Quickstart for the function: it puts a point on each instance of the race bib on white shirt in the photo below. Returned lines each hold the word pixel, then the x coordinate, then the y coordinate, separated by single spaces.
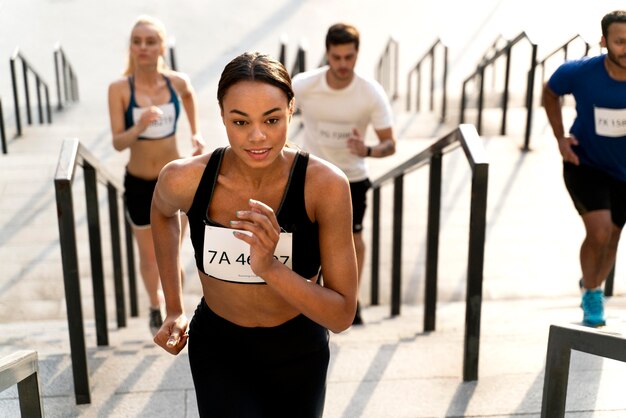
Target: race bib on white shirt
pixel 226 257
pixel 334 135
pixel 162 127
pixel 610 122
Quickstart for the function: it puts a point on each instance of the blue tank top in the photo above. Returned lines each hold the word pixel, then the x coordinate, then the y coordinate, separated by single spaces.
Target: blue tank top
pixel 165 126
pixel 291 215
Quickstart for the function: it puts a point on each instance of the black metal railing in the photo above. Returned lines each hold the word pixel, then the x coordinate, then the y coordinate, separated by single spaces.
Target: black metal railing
pixel 3 135
pixel 74 154
pixel 299 64
pixel 282 50
pixel 65 76
pixel 39 83
pixel 171 54
pixel 387 69
pixel 22 369
pixel 416 72
pixel 564 49
pixel 480 75
pixel 466 137
pixel 561 341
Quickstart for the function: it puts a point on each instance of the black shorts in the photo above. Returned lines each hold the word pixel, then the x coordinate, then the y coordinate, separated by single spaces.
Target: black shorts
pixel 358 192
pixel 138 199
pixel 592 189
pixel 257 372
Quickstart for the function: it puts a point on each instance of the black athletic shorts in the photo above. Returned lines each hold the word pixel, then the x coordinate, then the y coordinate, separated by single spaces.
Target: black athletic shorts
pixel 257 372
pixel 358 191
pixel 592 189
pixel 138 199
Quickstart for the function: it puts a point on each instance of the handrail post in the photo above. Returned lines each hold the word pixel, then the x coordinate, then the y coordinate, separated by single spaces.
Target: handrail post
pixel 463 100
pixel 476 255
pixel 22 369
pixel 16 100
pixel 505 95
pixel 418 98
pixel 432 242
pixel 3 136
pixel 375 286
pixel 130 261
pixel 39 105
pixel 529 97
pixel 608 283
pixel 30 397
pixel 95 251
pixel 66 87
pixel 556 374
pixel 282 52
pixel 408 90
pixel 301 60
pixel 397 69
pixel 71 280
pixel 26 91
pixel 481 91
pixel 432 80
pixel 117 256
pixel 48 109
pixel 57 78
pixel 561 341
pixel 396 259
pixel 172 56
pixel 444 82
pixel 74 85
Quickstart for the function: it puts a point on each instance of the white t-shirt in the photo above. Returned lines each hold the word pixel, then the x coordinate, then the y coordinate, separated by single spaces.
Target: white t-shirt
pixel 329 115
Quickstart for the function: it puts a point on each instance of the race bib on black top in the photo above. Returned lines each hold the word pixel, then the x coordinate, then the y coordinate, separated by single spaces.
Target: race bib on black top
pixel 226 257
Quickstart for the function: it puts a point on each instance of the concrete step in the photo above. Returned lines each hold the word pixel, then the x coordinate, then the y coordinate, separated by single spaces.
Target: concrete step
pixel 387 368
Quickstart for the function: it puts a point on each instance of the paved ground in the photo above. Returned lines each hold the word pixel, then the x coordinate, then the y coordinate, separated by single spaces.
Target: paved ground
pixel 388 368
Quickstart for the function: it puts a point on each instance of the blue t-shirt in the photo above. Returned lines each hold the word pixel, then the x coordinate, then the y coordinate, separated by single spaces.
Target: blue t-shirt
pixel 600 124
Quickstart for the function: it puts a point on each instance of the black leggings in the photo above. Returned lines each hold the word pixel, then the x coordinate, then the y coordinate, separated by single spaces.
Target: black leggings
pixel 257 372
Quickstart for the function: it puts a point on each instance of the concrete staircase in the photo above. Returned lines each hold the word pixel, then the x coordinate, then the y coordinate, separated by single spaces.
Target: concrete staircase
pixel 387 368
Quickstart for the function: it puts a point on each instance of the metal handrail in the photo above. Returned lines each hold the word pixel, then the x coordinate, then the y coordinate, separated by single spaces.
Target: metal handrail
pixel 26 67
pixel 387 68
pixel 561 341
pixel 480 74
pixel 73 154
pixel 282 50
pixel 171 54
pixel 3 136
pixel 416 70
pixel 66 76
pixel 299 65
pixel 22 369
pixel 467 137
pixel 563 48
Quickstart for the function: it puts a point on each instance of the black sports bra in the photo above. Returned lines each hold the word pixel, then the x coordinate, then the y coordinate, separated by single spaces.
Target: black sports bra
pixel 291 215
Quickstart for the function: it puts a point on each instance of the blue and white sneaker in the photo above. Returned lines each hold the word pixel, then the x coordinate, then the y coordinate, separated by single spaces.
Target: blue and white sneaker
pixel 593 308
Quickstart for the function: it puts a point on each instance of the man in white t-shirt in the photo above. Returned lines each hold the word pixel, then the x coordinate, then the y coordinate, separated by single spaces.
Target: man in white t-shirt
pixel 337 105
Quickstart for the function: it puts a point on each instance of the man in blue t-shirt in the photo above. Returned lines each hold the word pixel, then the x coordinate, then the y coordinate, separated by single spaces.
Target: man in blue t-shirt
pixel 594 154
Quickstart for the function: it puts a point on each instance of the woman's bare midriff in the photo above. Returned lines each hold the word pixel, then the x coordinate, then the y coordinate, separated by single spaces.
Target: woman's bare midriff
pixel 149 156
pixel 247 305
